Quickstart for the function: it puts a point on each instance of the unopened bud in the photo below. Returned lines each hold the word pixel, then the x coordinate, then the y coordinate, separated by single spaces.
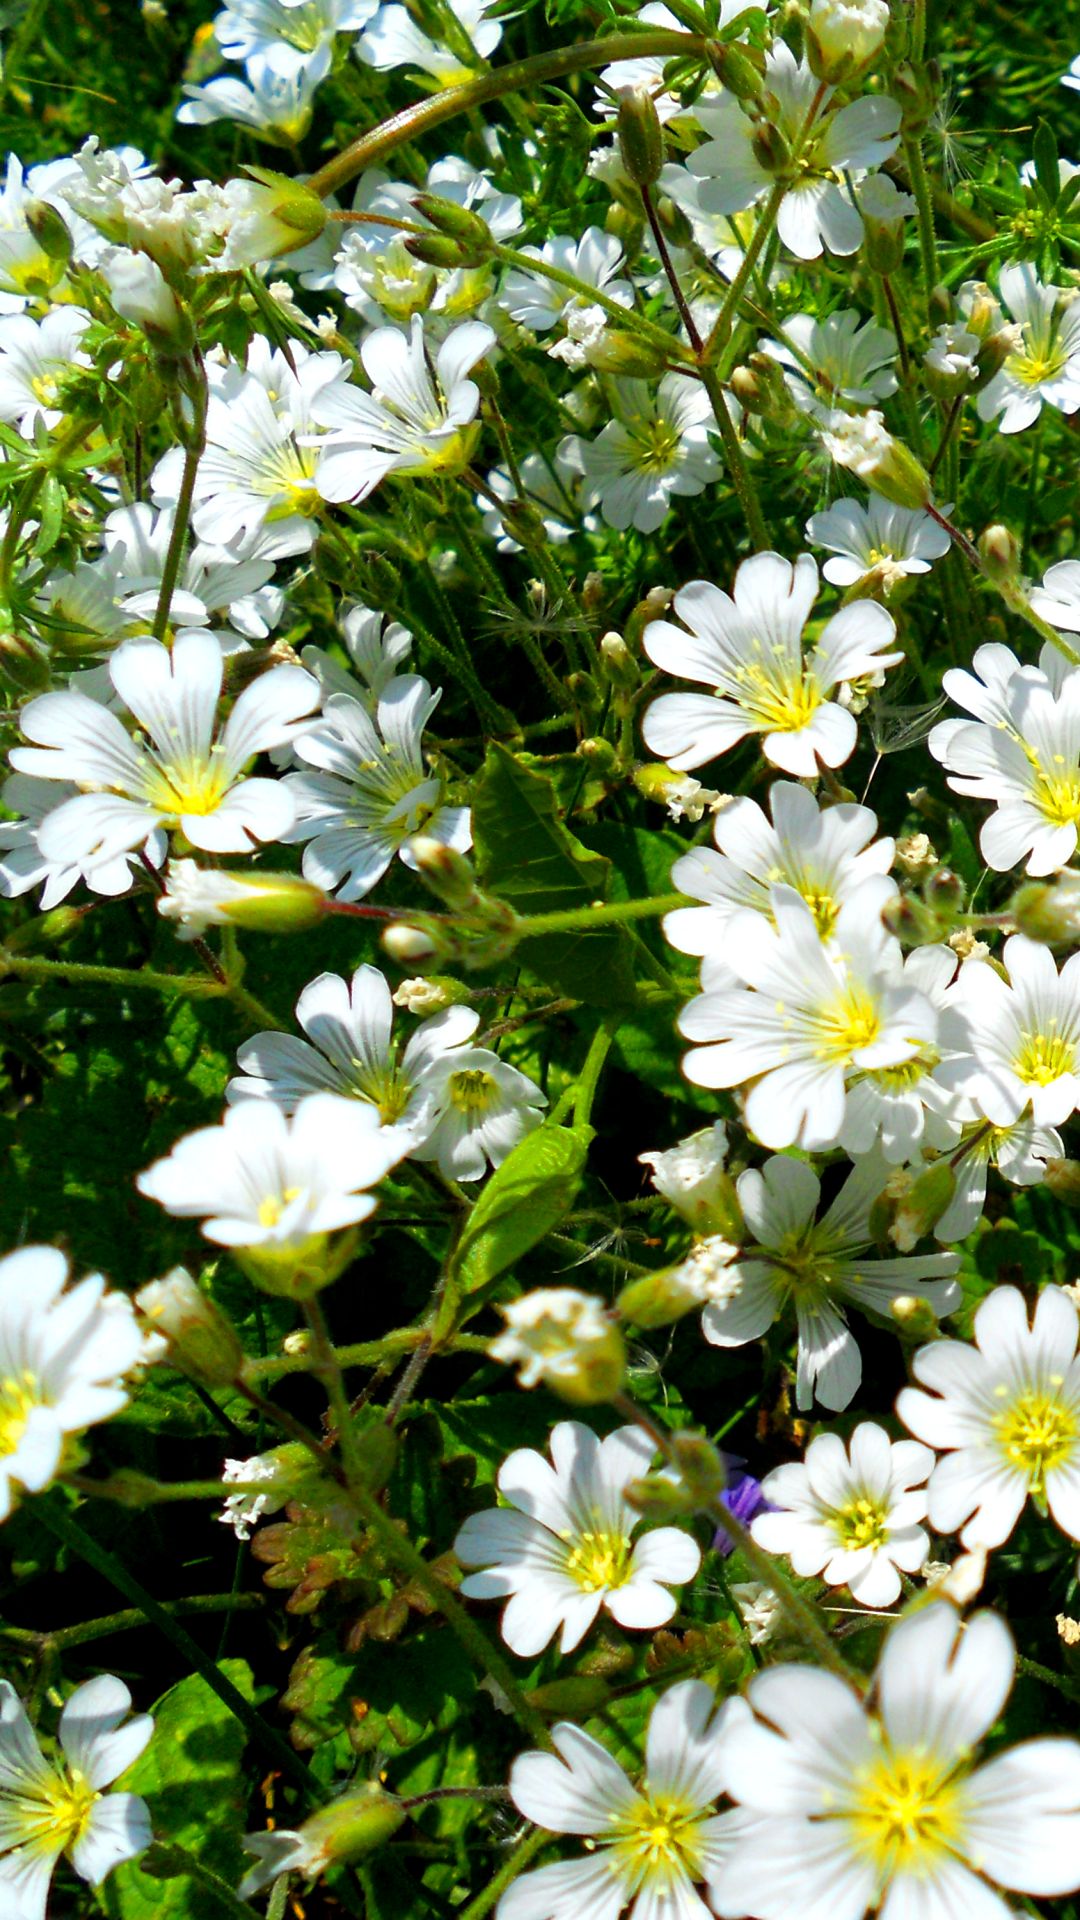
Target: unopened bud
pixel 912 923
pixel 345 1830
pixel 1063 1179
pixel 999 551
pixel 460 223
pixel 654 606
pixel 736 68
pixel 640 135
pixel 1049 910
pixel 407 944
pixel 658 1299
pixel 49 229
pixel 200 1341
pixel 24 662
pixel 198 897
pixel 915 1317
pixel 599 753
pixel 577 1697
pixel 619 352
pixel 917 1210
pixel 676 224
pixel 769 147
pixel 618 663
pixel 700 1467
pixel 842 36
pixel 445 871
pixel 944 891
pixel 439 250
pixel 658 1497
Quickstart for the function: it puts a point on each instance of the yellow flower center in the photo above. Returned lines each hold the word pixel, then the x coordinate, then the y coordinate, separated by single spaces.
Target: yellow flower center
pixel 1041 363
pixel 53 1811
pixel 272 1208
pixel 862 1523
pixel 599 1560
pixel 656 443
pixel 44 388
pixel 851 1022
pixel 472 1090
pixel 1044 1057
pixel 19 1395
pixel 782 699
pixel 1037 1433
pixel 660 1839
pixel 907 1813
pixel 188 786
pixel 1057 795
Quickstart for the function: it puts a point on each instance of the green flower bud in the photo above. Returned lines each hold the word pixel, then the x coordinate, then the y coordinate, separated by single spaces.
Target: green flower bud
pixel 439 250
pixel 298 1272
pixel 1063 1179
pixel 617 663
pixel 657 1299
pixel 50 230
pixel 200 1341
pixel 197 898
pixel 576 1697
pixel 915 1316
pixel 345 1830
pixel 640 135
pixel 700 1467
pixel 445 871
pixel 999 551
pixel 1049 910
pixel 279 214
pixel 769 147
pixel 741 69
pixel 460 223
pixel 619 352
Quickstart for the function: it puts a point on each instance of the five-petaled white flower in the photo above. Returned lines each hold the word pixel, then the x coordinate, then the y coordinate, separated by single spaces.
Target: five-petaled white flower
pixel 1004 1410
pixel 750 650
pixel 564 1546
pixel 875 540
pixel 59 1805
pixel 183 769
pixel 850 1807
pixel 1044 367
pixel 851 1514
pixel 649 1846
pixel 1012 1044
pixel 656 447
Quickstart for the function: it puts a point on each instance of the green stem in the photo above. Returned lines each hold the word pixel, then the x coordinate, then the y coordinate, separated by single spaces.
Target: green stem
pixel 1060 1682
pixel 193 452
pixel 327 1368
pixel 75 1537
pixel 520 76
pixel 625 317
pixel 721 327
pixel 525 1852
pixel 401 1553
pixel 589 1078
pixel 569 921
pixel 130 1619
pixel 1010 590
pixel 367 1353
pixel 199 986
pixel 737 467
pixel 920 186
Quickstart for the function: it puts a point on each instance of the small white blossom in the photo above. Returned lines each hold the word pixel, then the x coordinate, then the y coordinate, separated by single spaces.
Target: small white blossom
pixel 564 1339
pixel 1013 1043
pixel 851 1514
pixel 393 39
pixel 657 447
pixel 876 540
pixel 1044 368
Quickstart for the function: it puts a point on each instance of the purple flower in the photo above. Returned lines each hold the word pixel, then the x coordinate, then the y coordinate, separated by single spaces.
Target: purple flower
pixel 743 1497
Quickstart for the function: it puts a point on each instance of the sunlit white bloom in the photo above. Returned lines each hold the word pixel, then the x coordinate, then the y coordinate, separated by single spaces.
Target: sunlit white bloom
pixel 794 1261
pixel 228 584
pixel 647 70
pixel 275 100
pixel 256 476
pixel 350 1050
pixel 853 1806
pixel 750 650
pixel 1044 369
pixel 140 293
pixel 63 1355
pixel 540 304
pixel 36 357
pixel 1058 599
pixel 809 1017
pixel 656 447
pixel 1004 1411
pixel 59 1806
pixel 266 1181
pixel 26 271
pixel 849 359
pixel 302 30
pixel 199 897
pixel 817 211
pixel 368 793
pixel 760 1610
pixel 24 866
pixel 1022 752
pixel 648 1847
pixel 953 355
pixel 393 39
pixel 691 1176
pixel 183 770
pixel 1012 1044
pixel 564 1339
pixel 901 1108
pixel 824 853
pixel 851 1514
pixel 377 648
pixel 1018 1153
pixel 417 419
pixel 563 1547
pixel 876 538
pixel 271 1480
pixel 481 1107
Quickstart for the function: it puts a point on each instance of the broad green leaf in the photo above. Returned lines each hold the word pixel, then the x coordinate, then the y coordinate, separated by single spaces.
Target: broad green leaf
pixel 524 1199
pixel 528 857
pixel 192 1779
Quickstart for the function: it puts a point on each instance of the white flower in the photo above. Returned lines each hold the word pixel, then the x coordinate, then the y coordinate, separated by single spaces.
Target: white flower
pixel 656 447
pixel 35 358
pixel 377 648
pixel 377 275
pixel 230 583
pixel 26 272
pixel 59 1806
pixel 302 30
pixel 279 1476
pixel 548 488
pixel 140 292
pixel 824 853
pixel 850 1806
pixel 1018 1152
pixel 849 360
pixel 265 1181
pixel 1014 1043
pixel 23 865
pixel 350 1051
pixel 181 771
pixel 691 1176
pixel 256 476
pixel 817 211
pixel 275 101
pixel 750 650
pixel 200 897
pixel 647 70
pixel 1022 752
pixel 63 1355
pixel 417 419
pixel 1005 1411
pixel 1058 599
pixel 371 794
pixel 1045 366
pixel 760 1610
pixel 904 1107
pixel 808 1017
pixel 536 302
pixel 481 1107
pixel 394 40
pixel 648 1846
pixel 953 354
pixel 564 1547
pixel 851 1513
pixel 818 1267
pixel 563 1338
pixel 878 539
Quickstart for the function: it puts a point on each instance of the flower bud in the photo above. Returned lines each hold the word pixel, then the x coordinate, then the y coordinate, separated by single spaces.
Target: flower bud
pixel 915 1316
pixel 24 662
pixel 863 444
pixel 844 35
pixel 693 1180
pixel 619 352
pixel 197 898
pixel 408 945
pixel 50 230
pixel 576 1697
pixel 917 90
pixel 917 1209
pixel 657 1299
pixel 439 250
pixel 944 892
pixel 140 293
pixel 741 69
pixel 445 871
pixel 566 1340
pixel 677 225
pixel 599 753
pixel 769 147
pixel 1063 1179
pixel 269 215
pixel 200 1341
pixel 999 551
pixel 660 1497
pixel 617 663
pixel 345 1830
pixel 460 223
pixel 700 1467
pixel 1049 910
pixel 640 135
pixel 653 607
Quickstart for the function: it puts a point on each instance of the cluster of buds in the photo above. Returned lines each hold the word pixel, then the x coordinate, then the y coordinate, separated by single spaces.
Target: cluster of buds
pixel 930 915
pixel 458 237
pixel 479 930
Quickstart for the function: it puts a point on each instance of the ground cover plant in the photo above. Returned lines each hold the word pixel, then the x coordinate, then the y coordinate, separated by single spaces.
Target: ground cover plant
pixel 539 960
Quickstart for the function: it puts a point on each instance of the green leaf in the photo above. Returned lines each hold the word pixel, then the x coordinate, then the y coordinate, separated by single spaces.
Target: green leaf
pixel 1045 150
pixel 528 857
pixel 524 1199
pixel 192 1780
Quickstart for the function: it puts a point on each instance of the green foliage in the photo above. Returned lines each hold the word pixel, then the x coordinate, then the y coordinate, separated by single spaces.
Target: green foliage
pixel 524 1199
